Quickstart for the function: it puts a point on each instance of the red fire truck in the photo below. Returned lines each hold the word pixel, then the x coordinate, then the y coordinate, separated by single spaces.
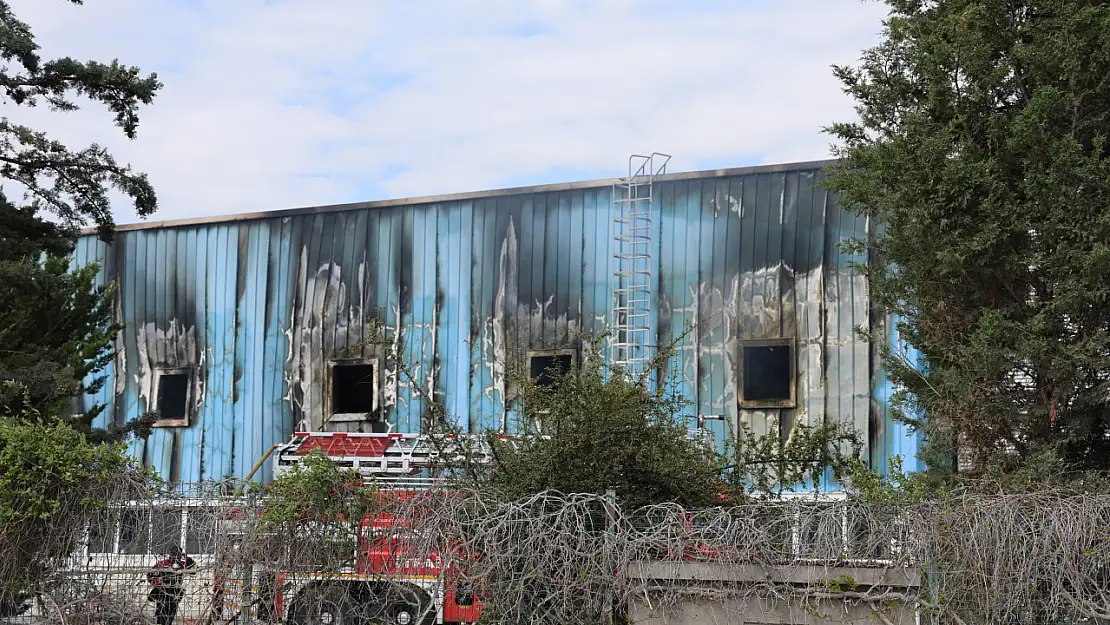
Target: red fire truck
pixel 386 580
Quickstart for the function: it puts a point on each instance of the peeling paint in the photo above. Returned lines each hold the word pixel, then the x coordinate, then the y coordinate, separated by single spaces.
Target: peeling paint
pixel 165 348
pixel 293 375
pixel 508 273
pixel 308 372
pixel 121 351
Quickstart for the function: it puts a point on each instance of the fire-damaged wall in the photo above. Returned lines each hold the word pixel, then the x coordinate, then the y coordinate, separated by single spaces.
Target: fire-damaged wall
pixel 241 330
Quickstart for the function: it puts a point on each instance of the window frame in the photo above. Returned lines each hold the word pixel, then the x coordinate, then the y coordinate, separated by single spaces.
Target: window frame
pixel 168 539
pixel 375 394
pixel 200 509
pixel 537 415
pixel 144 515
pixel 115 514
pixel 190 395
pixel 185 508
pixel 754 404
pixel 551 353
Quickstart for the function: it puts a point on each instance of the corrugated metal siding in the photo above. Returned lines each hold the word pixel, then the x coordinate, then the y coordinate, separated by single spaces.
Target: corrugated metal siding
pixel 261 306
pixel 892 438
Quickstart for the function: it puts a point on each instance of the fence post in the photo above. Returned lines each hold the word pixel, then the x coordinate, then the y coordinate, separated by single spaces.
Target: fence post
pixel 610 531
pixel 247 597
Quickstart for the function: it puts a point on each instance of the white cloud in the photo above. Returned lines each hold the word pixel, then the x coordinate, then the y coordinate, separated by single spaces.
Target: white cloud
pixel 277 104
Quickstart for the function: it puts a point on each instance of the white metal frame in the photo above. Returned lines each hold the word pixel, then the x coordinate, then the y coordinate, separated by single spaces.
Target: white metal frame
pixel 186 506
pixel 632 237
pixel 405 455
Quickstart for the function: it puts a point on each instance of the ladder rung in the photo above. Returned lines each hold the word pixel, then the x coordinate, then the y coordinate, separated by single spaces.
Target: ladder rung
pixel 632 296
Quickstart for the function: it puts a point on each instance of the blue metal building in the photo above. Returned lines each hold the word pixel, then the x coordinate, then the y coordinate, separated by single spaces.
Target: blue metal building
pixel 243 329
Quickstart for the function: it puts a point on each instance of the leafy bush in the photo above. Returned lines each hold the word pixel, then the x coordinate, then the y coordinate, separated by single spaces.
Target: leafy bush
pixel 53 482
pixel 605 430
pixel 317 490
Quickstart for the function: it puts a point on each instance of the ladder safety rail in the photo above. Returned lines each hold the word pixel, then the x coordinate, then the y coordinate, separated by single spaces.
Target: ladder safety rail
pixel 632 238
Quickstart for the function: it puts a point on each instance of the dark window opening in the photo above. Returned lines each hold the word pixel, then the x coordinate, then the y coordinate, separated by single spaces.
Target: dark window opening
pixel 173 396
pixel 352 389
pixel 767 373
pixel 165 530
pixel 133 532
pixel 200 531
pixel 547 370
pixel 102 534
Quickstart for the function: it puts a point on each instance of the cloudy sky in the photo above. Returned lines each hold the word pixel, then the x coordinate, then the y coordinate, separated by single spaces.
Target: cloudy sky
pixel 274 104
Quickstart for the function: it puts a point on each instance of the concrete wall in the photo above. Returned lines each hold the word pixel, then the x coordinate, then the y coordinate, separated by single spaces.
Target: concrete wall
pixel 708 594
pixel 700 611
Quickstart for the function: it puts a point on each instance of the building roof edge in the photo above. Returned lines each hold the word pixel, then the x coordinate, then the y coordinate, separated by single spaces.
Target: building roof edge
pixel 454 197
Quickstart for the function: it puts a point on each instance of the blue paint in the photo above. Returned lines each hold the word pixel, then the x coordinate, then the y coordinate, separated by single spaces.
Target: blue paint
pixel 489 412
pixel 685 296
pixel 221 414
pixel 477 315
pixel 451 352
pixel 464 330
pixel 896 438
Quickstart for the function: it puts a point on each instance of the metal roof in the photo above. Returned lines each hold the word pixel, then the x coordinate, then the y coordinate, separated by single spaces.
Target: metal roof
pixel 448 197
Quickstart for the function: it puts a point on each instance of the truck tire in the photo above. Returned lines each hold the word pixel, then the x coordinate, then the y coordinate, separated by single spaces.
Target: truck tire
pixel 399 604
pixel 332 604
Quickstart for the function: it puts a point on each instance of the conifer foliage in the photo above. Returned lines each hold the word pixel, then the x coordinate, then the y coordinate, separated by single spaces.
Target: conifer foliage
pixel 981 148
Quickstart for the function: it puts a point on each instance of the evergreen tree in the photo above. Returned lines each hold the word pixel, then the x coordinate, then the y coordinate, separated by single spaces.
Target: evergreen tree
pixel 981 149
pixel 56 325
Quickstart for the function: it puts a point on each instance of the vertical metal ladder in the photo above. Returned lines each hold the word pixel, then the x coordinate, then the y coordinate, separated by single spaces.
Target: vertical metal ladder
pixel 632 200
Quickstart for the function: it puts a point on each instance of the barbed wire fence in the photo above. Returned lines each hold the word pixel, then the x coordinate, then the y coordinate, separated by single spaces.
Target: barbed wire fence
pixel 562 559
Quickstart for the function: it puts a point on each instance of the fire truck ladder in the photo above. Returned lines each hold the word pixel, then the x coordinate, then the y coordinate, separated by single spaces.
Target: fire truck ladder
pixel 632 200
pixel 398 459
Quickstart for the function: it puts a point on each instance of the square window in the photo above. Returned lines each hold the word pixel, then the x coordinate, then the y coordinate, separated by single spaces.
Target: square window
pixel 767 368
pixel 134 531
pixel 102 533
pixel 546 369
pixel 352 388
pixel 173 386
pixel 165 530
pixel 200 527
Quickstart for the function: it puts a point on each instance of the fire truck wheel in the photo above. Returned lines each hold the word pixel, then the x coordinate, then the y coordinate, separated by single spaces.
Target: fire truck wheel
pixel 326 605
pixel 401 604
